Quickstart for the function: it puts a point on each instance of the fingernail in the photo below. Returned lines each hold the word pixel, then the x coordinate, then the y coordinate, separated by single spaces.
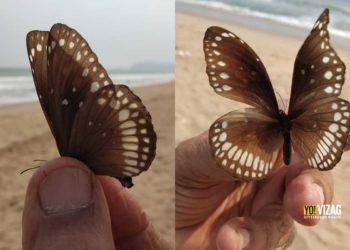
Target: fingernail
pixel 245 237
pixel 231 237
pixel 318 190
pixel 65 190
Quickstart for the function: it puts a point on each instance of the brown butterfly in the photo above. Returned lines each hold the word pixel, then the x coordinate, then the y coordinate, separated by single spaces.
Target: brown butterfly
pixel 105 126
pixel 247 142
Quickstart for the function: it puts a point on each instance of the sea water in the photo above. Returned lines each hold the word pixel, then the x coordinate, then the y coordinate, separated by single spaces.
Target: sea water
pixel 300 13
pixel 17 86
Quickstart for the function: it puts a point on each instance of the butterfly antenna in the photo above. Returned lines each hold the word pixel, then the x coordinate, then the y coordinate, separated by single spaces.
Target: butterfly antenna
pixel 284 105
pixel 29 169
pixel 37 160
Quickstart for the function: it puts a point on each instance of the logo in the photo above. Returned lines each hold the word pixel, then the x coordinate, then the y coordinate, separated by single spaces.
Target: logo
pixel 326 211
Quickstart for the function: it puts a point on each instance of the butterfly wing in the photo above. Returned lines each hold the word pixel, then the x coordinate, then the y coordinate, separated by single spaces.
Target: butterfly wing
pixel 74 76
pixel 236 72
pixel 318 70
pixel 239 143
pixel 105 126
pixel 37 53
pixel 63 67
pixel 321 132
pixel 320 119
pixel 120 140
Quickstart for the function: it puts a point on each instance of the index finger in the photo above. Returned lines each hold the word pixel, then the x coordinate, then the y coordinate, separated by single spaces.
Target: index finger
pixel 130 226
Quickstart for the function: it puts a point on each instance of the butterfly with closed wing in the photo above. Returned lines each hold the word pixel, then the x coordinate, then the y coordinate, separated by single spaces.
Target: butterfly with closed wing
pixel 106 126
pixel 247 142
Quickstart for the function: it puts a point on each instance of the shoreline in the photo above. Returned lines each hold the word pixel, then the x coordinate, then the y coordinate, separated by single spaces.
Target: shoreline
pixel 254 22
pixel 33 109
pixel 131 86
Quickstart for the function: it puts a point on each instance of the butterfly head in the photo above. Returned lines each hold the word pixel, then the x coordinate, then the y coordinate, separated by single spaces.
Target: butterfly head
pixel 126 181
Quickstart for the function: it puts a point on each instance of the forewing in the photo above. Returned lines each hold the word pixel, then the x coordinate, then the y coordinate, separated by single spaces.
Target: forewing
pixel 320 134
pixel 318 70
pixel 236 72
pixel 74 76
pixel 113 133
pixel 246 143
pixel 37 53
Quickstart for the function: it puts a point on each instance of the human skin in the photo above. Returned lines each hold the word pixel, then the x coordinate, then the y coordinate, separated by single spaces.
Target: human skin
pixel 68 207
pixel 213 211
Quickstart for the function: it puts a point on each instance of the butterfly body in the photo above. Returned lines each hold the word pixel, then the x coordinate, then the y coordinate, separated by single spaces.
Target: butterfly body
pixel 285 127
pixel 247 142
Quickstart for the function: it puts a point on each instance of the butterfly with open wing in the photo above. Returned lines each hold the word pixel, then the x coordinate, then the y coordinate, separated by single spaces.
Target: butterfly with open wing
pixel 247 142
pixel 106 126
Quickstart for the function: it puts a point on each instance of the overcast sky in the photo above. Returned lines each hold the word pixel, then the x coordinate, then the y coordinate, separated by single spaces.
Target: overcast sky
pixel 121 32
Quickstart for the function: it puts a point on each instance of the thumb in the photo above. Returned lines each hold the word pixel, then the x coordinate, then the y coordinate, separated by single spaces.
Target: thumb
pixel 271 228
pixel 65 208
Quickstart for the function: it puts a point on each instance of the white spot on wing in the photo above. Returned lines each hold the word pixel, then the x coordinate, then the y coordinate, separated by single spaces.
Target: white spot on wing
pixel 325 59
pixel 85 72
pixel 243 158
pixel 328 75
pixel 232 151
pixel 65 102
pixel 226 146
pixel 61 42
pixel 124 114
pixel 94 87
pixel 249 160
pixel 223 136
pixel 226 87
pixel 328 90
pixel 224 75
pixel 78 56
pixel 237 155
pixel 333 127
pixel 39 47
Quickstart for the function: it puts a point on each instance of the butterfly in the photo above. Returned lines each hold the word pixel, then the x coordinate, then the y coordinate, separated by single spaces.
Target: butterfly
pixel 106 126
pixel 247 142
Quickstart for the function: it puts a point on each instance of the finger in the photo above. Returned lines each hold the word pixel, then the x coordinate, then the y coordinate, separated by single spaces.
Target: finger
pixel 271 189
pixel 271 228
pixel 310 187
pixel 130 225
pixel 347 146
pixel 194 159
pixel 198 179
pixel 65 207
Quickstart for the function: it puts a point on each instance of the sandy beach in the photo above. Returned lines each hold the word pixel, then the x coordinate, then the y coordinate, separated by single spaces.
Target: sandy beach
pixel 25 137
pixel 197 106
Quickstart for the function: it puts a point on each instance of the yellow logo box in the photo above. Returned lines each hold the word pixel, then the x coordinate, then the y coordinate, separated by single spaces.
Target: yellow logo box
pixel 310 210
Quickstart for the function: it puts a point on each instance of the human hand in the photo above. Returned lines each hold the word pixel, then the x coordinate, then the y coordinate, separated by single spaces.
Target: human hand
pixel 68 207
pixel 213 211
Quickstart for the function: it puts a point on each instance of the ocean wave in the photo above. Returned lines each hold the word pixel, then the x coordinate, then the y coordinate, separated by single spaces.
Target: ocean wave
pixel 20 89
pixel 305 22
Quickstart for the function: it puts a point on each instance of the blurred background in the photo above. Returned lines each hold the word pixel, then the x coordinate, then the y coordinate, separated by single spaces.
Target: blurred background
pixel 134 41
pixel 283 13
pixel 275 30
